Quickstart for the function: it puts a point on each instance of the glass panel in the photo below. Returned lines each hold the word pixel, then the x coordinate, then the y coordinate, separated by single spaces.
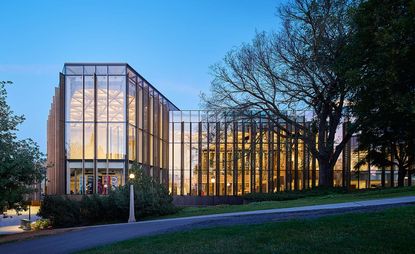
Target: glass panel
pixel 74 98
pixel 103 180
pixel 89 98
pixel 74 70
pixel 131 74
pixel 89 70
pixel 89 140
pixel 89 181
pixel 116 70
pixel 132 143
pixel 73 142
pixel 116 141
pixel 75 184
pixel 101 70
pixel 114 178
pixel 194 115
pixel 102 102
pixel 186 182
pixel 140 107
pixel 151 114
pixel 185 116
pixel 116 99
pixel 140 146
pixel 145 109
pixel 131 104
pixel 101 140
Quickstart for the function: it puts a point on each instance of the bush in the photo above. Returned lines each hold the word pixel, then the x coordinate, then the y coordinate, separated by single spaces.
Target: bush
pixel 62 212
pixel 41 224
pixel 291 195
pixel 150 199
pixel 92 209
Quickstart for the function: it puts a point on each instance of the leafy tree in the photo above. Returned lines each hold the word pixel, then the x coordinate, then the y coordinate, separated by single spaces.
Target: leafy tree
pixel 382 64
pixel 296 68
pixel 21 162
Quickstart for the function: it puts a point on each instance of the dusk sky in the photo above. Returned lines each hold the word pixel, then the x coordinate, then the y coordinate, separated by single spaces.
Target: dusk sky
pixel 170 43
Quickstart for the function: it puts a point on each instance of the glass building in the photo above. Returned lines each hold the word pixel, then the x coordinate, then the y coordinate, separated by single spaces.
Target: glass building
pixel 104 117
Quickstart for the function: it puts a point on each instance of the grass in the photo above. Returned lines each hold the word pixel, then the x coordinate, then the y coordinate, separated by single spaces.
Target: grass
pixel 313 200
pixel 388 231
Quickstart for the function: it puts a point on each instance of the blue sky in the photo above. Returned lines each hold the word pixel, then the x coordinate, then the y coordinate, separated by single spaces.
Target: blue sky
pixel 171 43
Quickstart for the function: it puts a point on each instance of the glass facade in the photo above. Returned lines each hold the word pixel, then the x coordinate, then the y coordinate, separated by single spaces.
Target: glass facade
pixel 215 155
pixel 228 155
pixel 113 117
pixel 106 116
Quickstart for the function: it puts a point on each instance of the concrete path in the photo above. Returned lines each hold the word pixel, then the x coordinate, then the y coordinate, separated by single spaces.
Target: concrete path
pixel 10 224
pixel 89 237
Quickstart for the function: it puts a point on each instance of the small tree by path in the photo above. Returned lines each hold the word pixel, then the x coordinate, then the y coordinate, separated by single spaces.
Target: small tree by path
pixel 21 162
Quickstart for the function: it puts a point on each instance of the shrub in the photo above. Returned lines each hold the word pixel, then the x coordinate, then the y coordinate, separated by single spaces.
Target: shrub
pixel 62 212
pixel 41 224
pixel 151 199
pixel 92 209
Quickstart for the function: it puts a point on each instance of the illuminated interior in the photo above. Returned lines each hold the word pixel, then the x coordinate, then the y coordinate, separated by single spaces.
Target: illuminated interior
pixel 112 118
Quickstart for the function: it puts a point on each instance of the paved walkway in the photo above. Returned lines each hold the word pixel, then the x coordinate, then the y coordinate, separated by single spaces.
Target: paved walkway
pixel 10 225
pixel 89 237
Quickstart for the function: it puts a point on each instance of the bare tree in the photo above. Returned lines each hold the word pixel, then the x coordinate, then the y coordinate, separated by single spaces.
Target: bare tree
pixel 296 68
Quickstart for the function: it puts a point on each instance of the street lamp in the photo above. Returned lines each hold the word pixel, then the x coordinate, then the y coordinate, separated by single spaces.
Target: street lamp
pixel 132 216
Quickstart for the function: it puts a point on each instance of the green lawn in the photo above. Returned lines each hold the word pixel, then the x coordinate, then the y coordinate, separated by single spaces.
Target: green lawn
pixel 315 200
pixel 388 231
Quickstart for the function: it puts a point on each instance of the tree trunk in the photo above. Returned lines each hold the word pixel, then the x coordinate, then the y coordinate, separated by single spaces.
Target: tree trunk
pixel 325 170
pixel 401 176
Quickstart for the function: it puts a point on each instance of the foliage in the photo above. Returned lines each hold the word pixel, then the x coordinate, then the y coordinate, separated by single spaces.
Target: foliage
pixel 41 224
pixel 296 68
pixel 21 162
pixel 151 199
pixel 381 58
pixel 61 212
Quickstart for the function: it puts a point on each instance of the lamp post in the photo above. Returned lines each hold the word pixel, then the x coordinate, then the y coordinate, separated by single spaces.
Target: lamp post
pixel 132 215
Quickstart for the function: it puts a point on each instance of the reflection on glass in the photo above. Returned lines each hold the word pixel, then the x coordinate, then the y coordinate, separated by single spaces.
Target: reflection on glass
pixel 73 70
